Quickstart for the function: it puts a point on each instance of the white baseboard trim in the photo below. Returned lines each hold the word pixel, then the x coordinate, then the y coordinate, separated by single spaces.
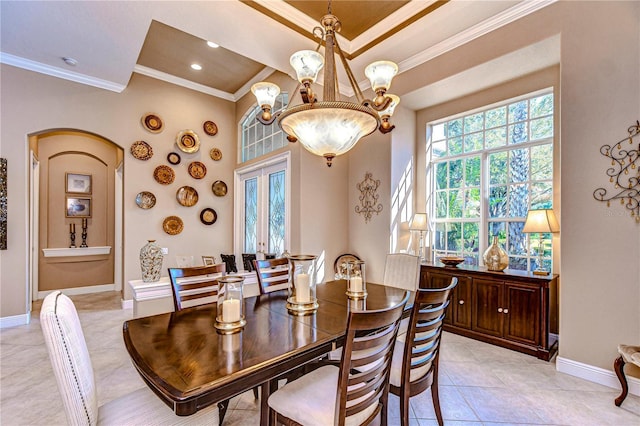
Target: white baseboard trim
pixel 80 290
pixel 127 304
pixel 15 320
pixel 595 374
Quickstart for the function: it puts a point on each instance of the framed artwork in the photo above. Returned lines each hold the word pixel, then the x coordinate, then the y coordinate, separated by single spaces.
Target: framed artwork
pixel 78 183
pixel 208 260
pixel 78 206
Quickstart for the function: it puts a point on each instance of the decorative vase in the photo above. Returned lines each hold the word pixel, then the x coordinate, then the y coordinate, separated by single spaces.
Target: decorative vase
pixel 151 261
pixel 495 258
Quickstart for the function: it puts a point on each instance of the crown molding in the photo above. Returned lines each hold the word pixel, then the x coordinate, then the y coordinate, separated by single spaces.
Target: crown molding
pixel 41 68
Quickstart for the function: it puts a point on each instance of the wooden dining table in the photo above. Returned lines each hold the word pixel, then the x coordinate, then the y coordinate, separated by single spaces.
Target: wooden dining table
pixel 189 366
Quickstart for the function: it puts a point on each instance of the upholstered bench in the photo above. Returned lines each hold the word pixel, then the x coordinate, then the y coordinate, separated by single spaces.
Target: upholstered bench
pixel 627 354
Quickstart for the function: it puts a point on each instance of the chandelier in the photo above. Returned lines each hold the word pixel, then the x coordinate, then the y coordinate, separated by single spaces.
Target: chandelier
pixel 330 127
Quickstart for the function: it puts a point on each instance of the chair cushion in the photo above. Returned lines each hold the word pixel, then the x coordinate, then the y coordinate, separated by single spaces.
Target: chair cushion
pixel 311 400
pixel 630 353
pixel 143 407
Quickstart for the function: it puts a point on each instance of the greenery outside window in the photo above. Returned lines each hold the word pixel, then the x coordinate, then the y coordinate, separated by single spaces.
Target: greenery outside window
pixel 488 167
pixel 258 139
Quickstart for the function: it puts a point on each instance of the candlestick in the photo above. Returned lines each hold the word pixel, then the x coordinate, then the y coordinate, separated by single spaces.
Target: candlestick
pixel 303 291
pixel 84 232
pixel 231 310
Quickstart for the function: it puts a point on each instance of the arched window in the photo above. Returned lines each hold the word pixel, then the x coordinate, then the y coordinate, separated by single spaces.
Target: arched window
pixel 258 139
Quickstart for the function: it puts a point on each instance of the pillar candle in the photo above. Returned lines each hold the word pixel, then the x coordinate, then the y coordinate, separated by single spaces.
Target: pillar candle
pixel 231 310
pixel 303 290
pixel 356 284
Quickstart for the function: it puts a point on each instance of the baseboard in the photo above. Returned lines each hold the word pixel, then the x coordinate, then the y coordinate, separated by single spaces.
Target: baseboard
pixel 15 320
pixel 595 374
pixel 80 290
pixel 127 304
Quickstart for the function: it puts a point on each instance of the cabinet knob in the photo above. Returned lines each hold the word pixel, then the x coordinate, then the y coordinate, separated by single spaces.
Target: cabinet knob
pixel 461 302
pixel 506 311
pixel 499 309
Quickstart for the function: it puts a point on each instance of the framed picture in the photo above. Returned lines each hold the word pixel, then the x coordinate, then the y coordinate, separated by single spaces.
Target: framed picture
pixel 208 260
pixel 78 207
pixel 78 183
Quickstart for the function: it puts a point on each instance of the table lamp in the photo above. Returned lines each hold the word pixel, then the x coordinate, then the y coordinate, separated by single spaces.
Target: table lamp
pixel 540 221
pixel 420 223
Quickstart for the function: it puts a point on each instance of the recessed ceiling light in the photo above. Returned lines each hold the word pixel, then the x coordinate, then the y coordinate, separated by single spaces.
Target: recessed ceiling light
pixel 196 67
pixel 70 61
pixel 212 44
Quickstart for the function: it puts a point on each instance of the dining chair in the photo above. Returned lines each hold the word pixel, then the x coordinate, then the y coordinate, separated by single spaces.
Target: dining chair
pixel 74 375
pixel 402 270
pixel 354 393
pixel 273 274
pixel 196 285
pixel 415 358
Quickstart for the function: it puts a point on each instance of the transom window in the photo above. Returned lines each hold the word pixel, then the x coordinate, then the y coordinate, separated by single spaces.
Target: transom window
pixel 258 139
pixel 487 169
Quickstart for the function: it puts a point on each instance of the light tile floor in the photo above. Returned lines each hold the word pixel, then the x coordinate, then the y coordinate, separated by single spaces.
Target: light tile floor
pixel 480 384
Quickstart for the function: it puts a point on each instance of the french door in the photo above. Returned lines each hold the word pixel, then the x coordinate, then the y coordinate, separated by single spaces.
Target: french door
pixel 263 207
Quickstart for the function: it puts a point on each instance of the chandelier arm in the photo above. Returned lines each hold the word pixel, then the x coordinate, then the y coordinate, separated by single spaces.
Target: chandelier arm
pixel 352 80
pixel 270 121
pixel 381 107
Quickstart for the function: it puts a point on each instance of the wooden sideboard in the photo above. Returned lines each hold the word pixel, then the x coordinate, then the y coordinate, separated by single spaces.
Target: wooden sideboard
pixel 513 309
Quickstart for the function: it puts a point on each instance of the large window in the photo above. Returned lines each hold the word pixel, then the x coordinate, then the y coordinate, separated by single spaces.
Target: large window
pixel 487 168
pixel 258 139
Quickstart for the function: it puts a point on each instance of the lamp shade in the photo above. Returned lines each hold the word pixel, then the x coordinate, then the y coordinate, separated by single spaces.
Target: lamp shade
pixel 395 100
pixel 265 93
pixel 307 64
pixel 380 74
pixel 540 221
pixel 419 222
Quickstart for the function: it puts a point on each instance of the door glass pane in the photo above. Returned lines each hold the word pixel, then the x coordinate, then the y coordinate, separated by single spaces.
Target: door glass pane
pixel 250 214
pixel 276 212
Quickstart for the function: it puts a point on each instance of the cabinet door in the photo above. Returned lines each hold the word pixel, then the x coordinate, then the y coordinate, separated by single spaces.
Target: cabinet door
pixel 522 313
pixel 461 303
pixel 487 307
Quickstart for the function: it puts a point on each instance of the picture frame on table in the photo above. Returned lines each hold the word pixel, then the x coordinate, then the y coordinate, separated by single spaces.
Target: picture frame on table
pixel 78 206
pixel 208 260
pixel 78 183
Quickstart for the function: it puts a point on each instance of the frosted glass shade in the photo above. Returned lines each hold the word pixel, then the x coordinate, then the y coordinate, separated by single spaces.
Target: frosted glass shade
pixel 307 64
pixel 265 93
pixel 541 221
pixel 388 111
pixel 329 128
pixel 380 74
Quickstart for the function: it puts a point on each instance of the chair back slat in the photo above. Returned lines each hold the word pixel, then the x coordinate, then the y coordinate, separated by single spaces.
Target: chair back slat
pixel 273 274
pixel 195 286
pixel 363 384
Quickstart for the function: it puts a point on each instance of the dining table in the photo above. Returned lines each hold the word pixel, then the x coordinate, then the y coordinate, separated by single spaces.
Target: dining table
pixel 190 366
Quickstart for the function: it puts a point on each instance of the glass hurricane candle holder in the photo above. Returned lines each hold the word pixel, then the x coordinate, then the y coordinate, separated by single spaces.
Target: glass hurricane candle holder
pixel 302 285
pixel 230 306
pixel 356 280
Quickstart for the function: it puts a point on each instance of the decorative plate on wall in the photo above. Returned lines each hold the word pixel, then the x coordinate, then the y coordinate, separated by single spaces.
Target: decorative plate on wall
pixel 141 150
pixel 219 188
pixel 215 154
pixel 173 225
pixel 164 175
pixel 208 216
pixel 173 158
pixel 340 264
pixel 145 200
pixel 187 196
pixel 188 141
pixel 197 170
pixel 152 122
pixel 210 128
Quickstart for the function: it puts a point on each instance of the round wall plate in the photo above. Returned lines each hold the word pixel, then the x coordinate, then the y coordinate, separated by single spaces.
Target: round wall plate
pixel 210 128
pixel 219 188
pixel 152 122
pixel 208 216
pixel 173 158
pixel 188 141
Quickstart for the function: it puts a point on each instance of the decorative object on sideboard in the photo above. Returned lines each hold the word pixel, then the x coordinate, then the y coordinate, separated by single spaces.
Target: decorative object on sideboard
pixel 230 316
pixel 152 122
pixel 173 158
pixel 230 262
pixel 495 258
pixel 3 203
pixel 141 150
pixel 85 226
pixel 247 261
pixel 368 197
pixel 624 173
pixel 302 285
pixel 215 154
pixel 451 261
pixel 208 260
pixel 541 222
pixel 151 261
pixel 331 126
pixel 420 223
pixel 72 235
pixel 164 175
pixel 173 225
pixel 210 128
pixel 188 141
pixel 78 183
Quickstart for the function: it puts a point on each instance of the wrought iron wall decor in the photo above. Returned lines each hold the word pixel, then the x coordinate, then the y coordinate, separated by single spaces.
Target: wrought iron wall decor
pixel 368 197
pixel 624 173
pixel 3 203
